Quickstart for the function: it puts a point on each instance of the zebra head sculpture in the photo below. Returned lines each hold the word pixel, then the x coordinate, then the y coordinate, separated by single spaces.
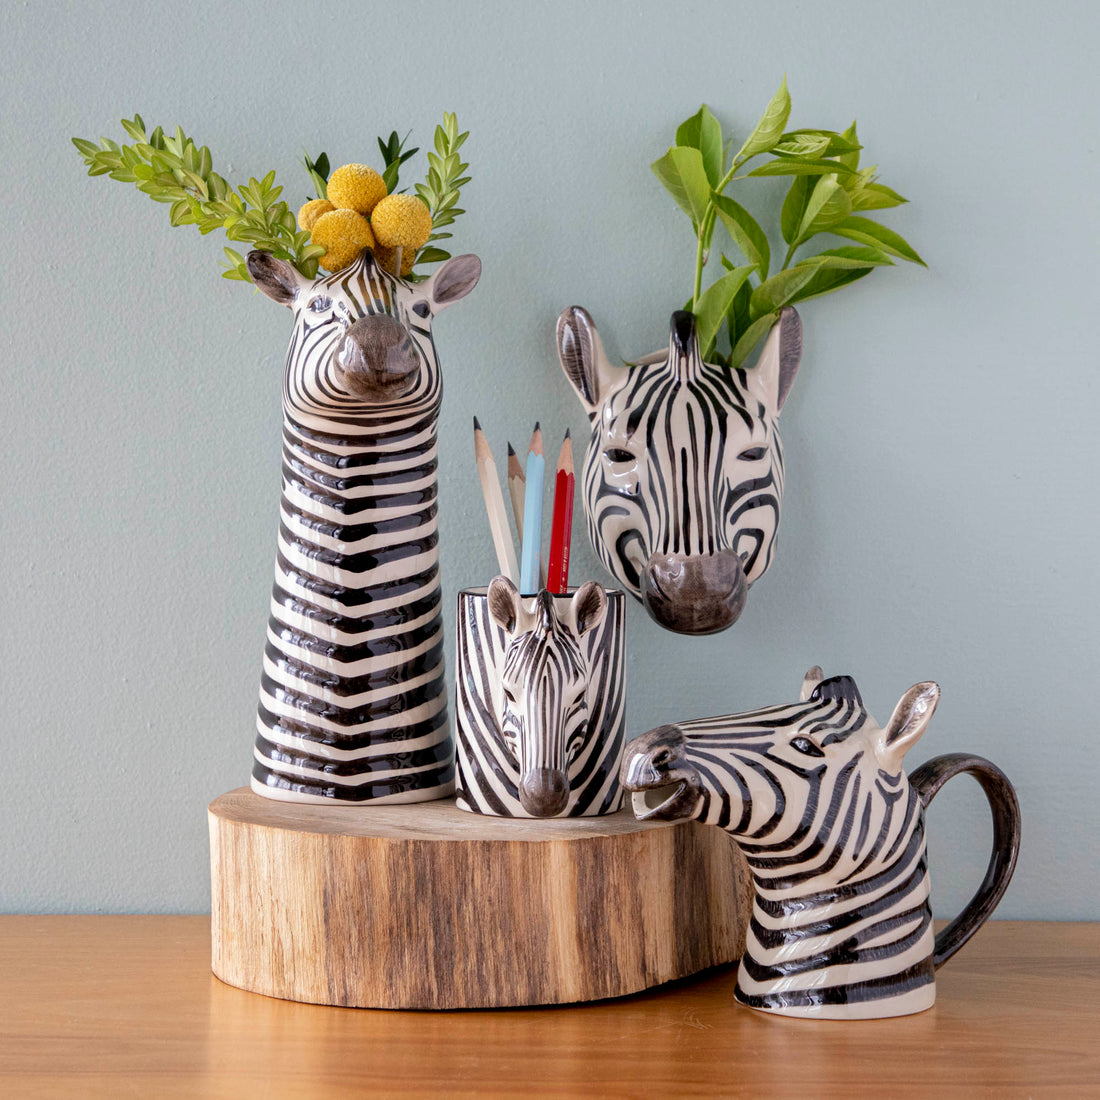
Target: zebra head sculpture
pixel 683 476
pixel 544 681
pixel 352 696
pixel 832 830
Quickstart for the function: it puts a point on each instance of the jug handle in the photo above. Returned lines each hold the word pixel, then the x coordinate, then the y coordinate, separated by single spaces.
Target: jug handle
pixel 927 780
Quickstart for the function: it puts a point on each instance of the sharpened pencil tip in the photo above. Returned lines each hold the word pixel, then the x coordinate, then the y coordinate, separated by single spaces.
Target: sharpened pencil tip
pixel 511 450
pixel 566 433
pixel 536 425
pixel 477 424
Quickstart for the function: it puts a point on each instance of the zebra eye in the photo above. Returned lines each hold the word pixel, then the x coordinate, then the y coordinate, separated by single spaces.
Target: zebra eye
pixel 753 454
pixel 617 454
pixel 804 744
pixel 662 757
pixel 320 304
pixel 510 695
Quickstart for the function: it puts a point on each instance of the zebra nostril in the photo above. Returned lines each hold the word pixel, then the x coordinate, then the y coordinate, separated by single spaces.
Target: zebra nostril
pixel 694 594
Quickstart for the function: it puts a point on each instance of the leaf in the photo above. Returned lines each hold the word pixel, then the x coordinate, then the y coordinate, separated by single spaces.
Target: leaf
pixel 432 255
pixel 794 206
pixel 803 144
pixel 794 166
pixel 850 159
pixel 745 231
pixel 827 279
pixel 844 259
pixel 684 177
pixel 770 127
pixel 704 132
pixel 870 232
pixel 828 203
pixel 713 305
pixel 876 196
pixel 780 290
pixel 751 337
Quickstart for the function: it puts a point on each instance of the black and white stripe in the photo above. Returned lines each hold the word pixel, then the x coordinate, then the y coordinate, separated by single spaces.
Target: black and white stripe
pixel 352 697
pixel 833 834
pixel 540 702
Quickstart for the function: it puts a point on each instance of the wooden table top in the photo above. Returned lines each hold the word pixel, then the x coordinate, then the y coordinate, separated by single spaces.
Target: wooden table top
pixel 127 1006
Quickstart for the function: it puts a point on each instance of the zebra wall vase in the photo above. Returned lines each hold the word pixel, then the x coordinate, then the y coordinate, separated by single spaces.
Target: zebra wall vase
pixel 833 834
pixel 539 701
pixel 352 698
pixel 683 477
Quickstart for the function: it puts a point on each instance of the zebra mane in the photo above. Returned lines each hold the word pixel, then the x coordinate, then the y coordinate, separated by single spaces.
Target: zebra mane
pixel 840 689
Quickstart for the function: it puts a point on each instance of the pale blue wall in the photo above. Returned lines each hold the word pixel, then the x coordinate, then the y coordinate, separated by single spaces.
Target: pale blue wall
pixel 942 450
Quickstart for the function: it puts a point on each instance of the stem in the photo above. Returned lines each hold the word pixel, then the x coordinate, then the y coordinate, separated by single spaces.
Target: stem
pixel 706 227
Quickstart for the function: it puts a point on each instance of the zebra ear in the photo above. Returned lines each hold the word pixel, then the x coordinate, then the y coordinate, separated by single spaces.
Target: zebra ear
pixel 280 281
pixel 772 377
pixel 913 712
pixel 454 280
pixel 813 677
pixel 583 359
pixel 504 603
pixel 589 607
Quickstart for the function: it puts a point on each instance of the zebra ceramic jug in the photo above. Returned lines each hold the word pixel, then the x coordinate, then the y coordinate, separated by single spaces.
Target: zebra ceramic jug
pixel 683 476
pixel 539 701
pixel 815 795
pixel 352 698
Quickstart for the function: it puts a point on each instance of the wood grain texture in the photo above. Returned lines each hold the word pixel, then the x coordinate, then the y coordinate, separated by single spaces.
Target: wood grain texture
pixel 431 907
pixel 127 1006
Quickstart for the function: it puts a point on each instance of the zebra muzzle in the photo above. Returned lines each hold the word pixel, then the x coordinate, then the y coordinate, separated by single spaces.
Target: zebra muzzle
pixel 694 593
pixel 376 359
pixel 543 792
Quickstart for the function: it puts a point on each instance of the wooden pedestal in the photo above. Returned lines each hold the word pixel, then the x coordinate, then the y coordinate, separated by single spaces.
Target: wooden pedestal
pixel 426 906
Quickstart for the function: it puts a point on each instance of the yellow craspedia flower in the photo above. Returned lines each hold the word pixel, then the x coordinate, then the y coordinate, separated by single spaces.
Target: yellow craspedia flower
pixel 401 220
pixel 312 210
pixel 356 187
pixel 385 256
pixel 344 234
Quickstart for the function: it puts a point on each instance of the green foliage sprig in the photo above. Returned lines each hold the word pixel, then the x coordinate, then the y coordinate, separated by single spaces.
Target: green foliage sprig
pixel 318 171
pixel 394 154
pixel 827 192
pixel 175 170
pixel 441 189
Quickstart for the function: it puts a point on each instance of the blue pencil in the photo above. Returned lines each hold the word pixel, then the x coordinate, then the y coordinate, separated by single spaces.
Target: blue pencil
pixel 532 518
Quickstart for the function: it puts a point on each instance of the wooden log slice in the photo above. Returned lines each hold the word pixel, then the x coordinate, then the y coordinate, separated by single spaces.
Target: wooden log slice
pixel 426 906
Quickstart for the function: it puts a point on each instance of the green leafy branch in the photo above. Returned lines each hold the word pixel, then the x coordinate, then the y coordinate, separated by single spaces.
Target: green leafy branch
pixel 174 170
pixel 828 191
pixel 318 171
pixel 444 183
pixel 394 154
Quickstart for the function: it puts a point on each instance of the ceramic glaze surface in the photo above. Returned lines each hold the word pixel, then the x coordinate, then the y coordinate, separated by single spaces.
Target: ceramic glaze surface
pixel 540 701
pixel 683 476
pixel 815 795
pixel 352 697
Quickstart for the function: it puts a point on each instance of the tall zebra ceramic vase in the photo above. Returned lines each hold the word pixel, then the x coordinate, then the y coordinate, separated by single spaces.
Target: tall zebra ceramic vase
pixel 815 795
pixel 352 698
pixel 683 477
pixel 540 701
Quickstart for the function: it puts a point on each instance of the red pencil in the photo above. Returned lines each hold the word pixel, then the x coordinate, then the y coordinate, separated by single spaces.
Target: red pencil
pixel 557 574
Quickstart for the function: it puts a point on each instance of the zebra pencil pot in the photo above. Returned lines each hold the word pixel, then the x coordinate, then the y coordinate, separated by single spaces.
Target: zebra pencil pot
pixel 832 830
pixel 353 702
pixel 683 476
pixel 539 701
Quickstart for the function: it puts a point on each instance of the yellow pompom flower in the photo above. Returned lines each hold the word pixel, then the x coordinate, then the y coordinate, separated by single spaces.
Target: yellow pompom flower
pixel 312 210
pixel 356 187
pixel 344 234
pixel 401 220
pixel 385 256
